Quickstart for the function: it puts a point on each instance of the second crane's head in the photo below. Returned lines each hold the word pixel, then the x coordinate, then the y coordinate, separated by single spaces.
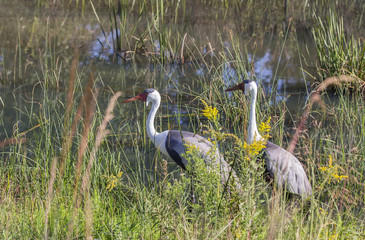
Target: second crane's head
pixel 149 95
pixel 246 87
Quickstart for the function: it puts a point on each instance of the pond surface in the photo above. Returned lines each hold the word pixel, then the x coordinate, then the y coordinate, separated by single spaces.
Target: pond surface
pixel 38 38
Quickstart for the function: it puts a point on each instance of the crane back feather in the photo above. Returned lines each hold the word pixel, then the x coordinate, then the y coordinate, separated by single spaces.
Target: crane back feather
pixel 174 145
pixel 287 170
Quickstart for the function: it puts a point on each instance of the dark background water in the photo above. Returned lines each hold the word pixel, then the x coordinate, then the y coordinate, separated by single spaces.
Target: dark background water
pixel 38 37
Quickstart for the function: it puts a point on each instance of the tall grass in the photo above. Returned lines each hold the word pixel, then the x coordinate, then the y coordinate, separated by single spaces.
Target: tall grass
pixel 113 184
pixel 156 30
pixel 155 205
pixel 338 52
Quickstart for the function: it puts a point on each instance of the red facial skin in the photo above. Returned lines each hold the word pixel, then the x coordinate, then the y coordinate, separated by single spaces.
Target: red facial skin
pixel 139 97
pixel 240 86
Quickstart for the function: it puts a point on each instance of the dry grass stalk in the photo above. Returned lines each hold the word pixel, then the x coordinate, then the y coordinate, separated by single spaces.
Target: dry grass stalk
pixel 86 98
pixel 88 217
pixel 316 97
pixel 276 214
pixel 71 87
pixel 182 49
pixel 49 196
pixel 89 115
pixel 102 132
pixel 19 138
pixel 11 141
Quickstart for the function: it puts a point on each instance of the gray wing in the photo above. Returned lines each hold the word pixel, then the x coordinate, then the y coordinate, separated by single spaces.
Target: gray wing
pixel 175 147
pixel 287 170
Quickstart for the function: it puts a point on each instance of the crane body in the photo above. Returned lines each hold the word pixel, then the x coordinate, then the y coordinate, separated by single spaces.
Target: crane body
pixel 286 169
pixel 171 143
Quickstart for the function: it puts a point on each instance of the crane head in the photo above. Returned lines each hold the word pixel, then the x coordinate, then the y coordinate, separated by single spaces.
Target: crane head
pixel 141 97
pixel 240 86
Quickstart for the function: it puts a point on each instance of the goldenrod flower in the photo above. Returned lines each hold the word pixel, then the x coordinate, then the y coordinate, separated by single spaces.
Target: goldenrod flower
pixel 210 112
pixel 256 146
pixel 338 177
pixel 265 127
pixel 323 169
pixel 333 236
pixel 323 211
pixel 330 160
pixel 112 181
pixel 190 148
pixel 332 169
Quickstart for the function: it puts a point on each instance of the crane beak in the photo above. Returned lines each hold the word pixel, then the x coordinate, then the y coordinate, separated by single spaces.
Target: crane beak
pixel 139 97
pixel 240 86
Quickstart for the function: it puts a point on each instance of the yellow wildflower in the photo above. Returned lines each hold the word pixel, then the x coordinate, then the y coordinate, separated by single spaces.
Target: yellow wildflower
pixel 323 169
pixel 256 146
pixel 112 181
pixel 323 211
pixel 265 127
pixel 217 135
pixel 338 177
pixel 210 112
pixel 332 170
pixel 330 160
pixel 190 148
pixel 333 236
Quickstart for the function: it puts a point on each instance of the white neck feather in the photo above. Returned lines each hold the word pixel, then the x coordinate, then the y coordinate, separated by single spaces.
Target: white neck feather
pixel 253 133
pixel 157 138
pixel 151 131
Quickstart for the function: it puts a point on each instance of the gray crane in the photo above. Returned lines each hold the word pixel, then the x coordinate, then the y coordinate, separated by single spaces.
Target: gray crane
pixel 171 142
pixel 286 169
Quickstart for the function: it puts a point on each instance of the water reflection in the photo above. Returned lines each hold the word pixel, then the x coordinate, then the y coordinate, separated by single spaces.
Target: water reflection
pixel 276 58
pixel 282 78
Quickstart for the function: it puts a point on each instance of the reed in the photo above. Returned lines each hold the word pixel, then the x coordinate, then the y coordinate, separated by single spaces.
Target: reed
pixel 339 52
pixel 154 34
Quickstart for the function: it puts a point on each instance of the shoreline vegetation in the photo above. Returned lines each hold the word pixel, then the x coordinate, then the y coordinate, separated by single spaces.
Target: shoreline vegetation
pixel 84 168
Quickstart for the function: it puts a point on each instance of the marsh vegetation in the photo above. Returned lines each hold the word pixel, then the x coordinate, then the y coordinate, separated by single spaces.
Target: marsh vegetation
pixel 76 163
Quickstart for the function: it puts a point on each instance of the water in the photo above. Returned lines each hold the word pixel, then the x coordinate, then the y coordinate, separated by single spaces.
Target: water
pixel 46 33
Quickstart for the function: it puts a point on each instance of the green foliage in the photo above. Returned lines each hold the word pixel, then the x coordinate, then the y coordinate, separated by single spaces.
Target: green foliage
pixel 135 193
pixel 128 202
pixel 338 53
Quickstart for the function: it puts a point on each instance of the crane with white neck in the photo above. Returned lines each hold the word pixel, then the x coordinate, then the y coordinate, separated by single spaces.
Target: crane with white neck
pixel 283 166
pixel 171 142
